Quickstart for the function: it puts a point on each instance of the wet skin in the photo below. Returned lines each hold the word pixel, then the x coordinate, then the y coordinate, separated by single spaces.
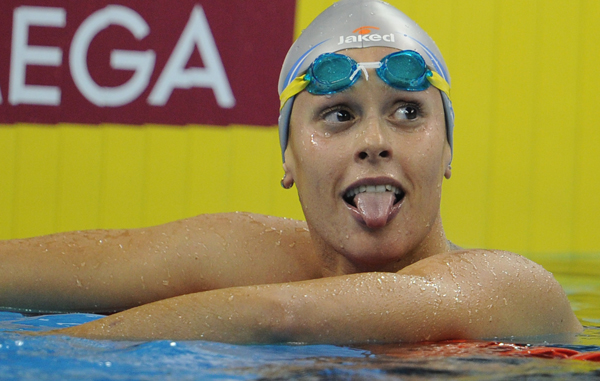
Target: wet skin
pixel 370 134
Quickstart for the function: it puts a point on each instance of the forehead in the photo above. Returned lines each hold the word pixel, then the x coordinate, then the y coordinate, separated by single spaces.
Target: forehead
pixel 372 54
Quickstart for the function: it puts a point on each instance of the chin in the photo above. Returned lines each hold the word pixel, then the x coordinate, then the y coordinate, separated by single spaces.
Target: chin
pixel 375 254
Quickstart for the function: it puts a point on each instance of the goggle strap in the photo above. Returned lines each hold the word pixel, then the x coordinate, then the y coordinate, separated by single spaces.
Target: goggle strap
pixel 438 81
pixel 295 87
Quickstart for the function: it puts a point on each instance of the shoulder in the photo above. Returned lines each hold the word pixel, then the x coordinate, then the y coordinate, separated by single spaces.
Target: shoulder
pixel 500 288
pixel 476 262
pixel 233 227
pixel 252 221
pixel 235 249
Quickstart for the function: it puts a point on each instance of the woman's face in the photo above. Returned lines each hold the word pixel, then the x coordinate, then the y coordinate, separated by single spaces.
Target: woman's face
pixel 368 163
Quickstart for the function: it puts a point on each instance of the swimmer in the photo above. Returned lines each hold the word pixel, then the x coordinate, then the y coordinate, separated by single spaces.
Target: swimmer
pixel 366 131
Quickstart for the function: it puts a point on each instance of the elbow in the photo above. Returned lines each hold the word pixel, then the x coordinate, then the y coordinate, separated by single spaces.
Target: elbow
pixel 286 323
pixel 270 319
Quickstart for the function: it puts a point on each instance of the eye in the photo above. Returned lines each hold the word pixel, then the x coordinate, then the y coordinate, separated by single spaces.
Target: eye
pixel 407 112
pixel 338 116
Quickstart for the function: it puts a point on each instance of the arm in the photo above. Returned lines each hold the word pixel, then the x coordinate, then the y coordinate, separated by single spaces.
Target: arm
pixel 467 295
pixel 107 271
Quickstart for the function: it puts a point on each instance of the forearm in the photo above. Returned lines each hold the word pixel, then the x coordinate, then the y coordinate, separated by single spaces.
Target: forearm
pixel 349 309
pixel 91 271
pixel 227 315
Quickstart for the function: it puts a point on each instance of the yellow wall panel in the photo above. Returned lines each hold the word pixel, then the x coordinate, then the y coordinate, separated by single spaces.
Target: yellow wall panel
pixel 554 135
pixel 210 163
pixel 123 175
pixel 465 208
pixel 79 177
pixel 251 179
pixel 510 133
pixel 8 147
pixel 36 181
pixel 586 224
pixel 165 174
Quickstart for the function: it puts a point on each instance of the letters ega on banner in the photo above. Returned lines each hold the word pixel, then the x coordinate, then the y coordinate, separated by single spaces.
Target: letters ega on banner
pixel 213 80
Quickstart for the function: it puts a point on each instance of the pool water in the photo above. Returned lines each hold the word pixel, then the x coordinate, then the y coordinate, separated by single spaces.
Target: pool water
pixel 25 357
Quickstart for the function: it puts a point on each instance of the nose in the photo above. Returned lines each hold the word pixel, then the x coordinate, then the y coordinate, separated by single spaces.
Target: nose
pixel 374 143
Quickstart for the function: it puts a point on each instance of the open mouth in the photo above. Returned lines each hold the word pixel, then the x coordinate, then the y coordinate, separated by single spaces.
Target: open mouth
pixel 374 205
pixel 350 195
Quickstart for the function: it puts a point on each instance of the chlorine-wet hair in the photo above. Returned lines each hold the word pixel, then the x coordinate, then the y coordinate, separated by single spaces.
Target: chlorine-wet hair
pixel 355 24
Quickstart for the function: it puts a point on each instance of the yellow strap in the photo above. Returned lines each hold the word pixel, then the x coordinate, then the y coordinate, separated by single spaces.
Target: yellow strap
pixel 296 86
pixel 438 81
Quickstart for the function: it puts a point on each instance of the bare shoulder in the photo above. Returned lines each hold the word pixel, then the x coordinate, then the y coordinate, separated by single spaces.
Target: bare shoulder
pixel 500 289
pixel 239 249
pixel 239 229
pixel 477 262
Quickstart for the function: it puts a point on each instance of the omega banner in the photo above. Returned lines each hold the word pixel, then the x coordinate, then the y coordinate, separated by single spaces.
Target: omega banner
pixel 169 62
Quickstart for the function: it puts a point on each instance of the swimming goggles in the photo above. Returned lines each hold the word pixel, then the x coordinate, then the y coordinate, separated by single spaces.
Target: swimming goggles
pixel 332 72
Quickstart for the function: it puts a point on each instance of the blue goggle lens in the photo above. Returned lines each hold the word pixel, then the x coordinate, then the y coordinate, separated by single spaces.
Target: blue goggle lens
pixel 331 73
pixel 404 70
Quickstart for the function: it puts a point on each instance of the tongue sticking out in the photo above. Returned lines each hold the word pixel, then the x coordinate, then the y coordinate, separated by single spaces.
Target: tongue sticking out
pixel 375 208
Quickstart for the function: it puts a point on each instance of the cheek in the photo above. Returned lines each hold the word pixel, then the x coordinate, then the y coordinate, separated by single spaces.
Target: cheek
pixel 314 153
pixel 426 156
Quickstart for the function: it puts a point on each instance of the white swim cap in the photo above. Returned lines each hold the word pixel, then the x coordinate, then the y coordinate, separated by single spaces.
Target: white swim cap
pixel 351 24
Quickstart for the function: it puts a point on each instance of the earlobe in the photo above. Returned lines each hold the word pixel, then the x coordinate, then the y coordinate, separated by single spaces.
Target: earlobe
pixel 448 172
pixel 287 181
pixel 448 160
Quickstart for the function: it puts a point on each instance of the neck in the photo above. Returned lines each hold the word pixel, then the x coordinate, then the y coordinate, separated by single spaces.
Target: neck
pixel 336 262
